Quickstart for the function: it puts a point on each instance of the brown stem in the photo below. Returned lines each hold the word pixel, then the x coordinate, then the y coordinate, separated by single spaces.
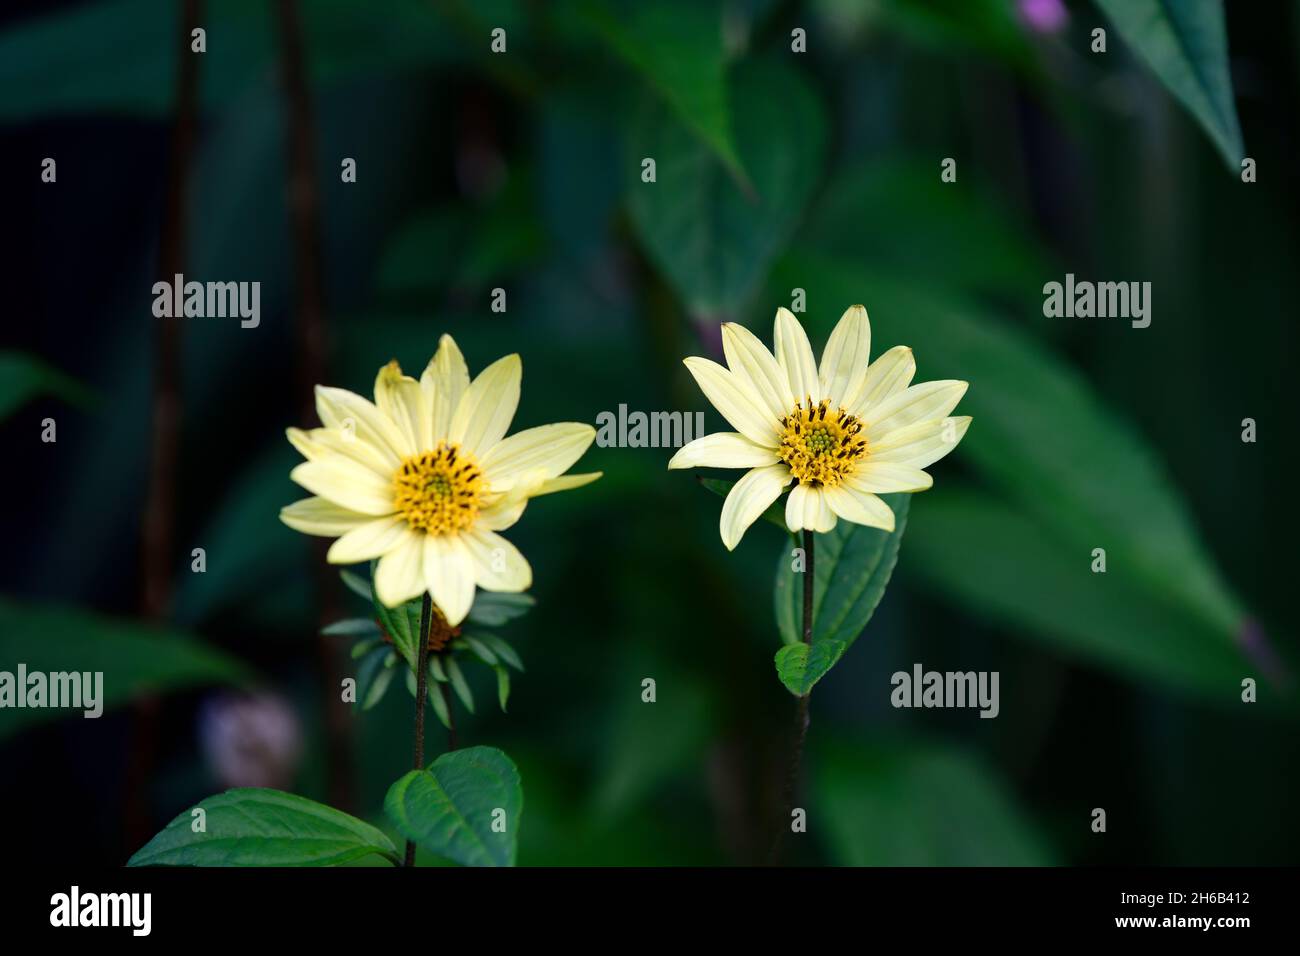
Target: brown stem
pixel 304 208
pixel 801 717
pixel 421 692
pixel 160 502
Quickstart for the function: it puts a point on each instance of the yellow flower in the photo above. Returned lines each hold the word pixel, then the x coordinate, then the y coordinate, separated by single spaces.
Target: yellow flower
pixel 845 431
pixel 424 478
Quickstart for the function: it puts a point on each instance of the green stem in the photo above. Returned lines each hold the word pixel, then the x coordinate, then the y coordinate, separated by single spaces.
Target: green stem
pixel 421 692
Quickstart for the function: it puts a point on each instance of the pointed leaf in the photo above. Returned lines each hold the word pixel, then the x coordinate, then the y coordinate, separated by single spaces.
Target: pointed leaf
pixel 800 666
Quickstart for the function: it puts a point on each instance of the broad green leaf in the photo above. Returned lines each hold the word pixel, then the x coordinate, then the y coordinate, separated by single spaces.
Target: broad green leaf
pixel 916 805
pixel 449 809
pixel 800 666
pixel 851 568
pixel 494 608
pixel 24 377
pixel 134 659
pixel 774 513
pixel 258 827
pixel 677 46
pixel 1006 566
pixel 713 242
pixel 1039 433
pixel 1185 44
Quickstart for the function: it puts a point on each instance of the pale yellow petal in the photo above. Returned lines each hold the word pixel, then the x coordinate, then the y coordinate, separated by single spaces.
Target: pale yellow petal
pixel 498 565
pixel 929 401
pixel 566 483
pixel 886 376
pixel 848 352
pixel 548 449
pixel 795 356
pixel 324 442
pixel 755 368
pixel 399 397
pixel 737 404
pixel 887 477
pixel 449 575
pixel 443 384
pixel 723 450
pixel 346 483
pixel 487 407
pixel 399 574
pixel 346 411
pixel 371 540
pixel 321 517
pixel 860 507
pixel 806 509
pixel 922 444
pixel 749 498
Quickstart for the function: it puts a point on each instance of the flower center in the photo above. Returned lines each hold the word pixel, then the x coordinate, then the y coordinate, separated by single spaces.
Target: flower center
pixel 438 491
pixel 820 446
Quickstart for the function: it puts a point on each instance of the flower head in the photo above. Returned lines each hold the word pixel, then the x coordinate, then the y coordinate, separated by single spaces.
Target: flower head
pixel 844 431
pixel 423 478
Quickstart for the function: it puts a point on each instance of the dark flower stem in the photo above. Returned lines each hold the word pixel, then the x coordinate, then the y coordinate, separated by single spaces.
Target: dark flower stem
pixel 802 718
pixel 421 692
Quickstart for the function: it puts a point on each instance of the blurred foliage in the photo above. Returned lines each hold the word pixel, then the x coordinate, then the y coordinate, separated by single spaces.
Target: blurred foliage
pixel 774 172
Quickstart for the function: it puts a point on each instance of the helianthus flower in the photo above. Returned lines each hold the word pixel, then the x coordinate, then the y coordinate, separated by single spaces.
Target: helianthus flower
pixel 845 431
pixel 424 478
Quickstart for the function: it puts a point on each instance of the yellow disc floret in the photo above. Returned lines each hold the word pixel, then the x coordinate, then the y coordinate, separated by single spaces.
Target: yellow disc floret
pixel 439 491
pixel 820 446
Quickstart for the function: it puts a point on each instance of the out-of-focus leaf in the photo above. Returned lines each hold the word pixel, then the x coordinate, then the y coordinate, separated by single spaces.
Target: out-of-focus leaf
pixel 494 608
pixel 502 649
pixel 459 684
pixel 677 46
pixel 258 827
pixel 983 26
pixel 1004 565
pixel 1039 432
pixel 24 377
pixel 401 623
pixel 373 677
pixel 852 565
pixel 356 584
pixel 503 686
pixel 352 627
pixel 133 658
pixel 800 666
pixel 450 808
pixel 714 242
pixel 121 56
pixel 916 805
pixel 1185 44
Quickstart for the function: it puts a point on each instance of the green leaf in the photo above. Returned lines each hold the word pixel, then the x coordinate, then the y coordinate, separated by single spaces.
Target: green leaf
pixel 713 242
pixel 677 46
pixel 503 686
pixel 24 377
pixel 373 677
pixel 1185 45
pixel 480 650
pixel 852 565
pixel 503 650
pixel 458 682
pixel 800 666
pixel 401 623
pixel 1010 569
pixel 438 701
pixel 774 514
pixel 352 627
pixel 494 608
pixel 356 584
pixel 1039 433
pixel 134 659
pixel 916 805
pixel 450 808
pixel 258 827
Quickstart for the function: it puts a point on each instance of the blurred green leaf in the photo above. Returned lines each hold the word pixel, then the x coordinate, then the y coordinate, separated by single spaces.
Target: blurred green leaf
pixel 352 627
pixel 259 827
pixel 714 242
pixel 909 805
pixel 947 26
pixel 450 808
pixel 502 649
pixel 800 666
pixel 24 377
pixel 1185 44
pixel 458 683
pixel 494 608
pixel 503 686
pixel 401 624
pixel 852 565
pixel 373 677
pixel 999 561
pixel 133 658
pixel 1039 433
pixel 677 46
